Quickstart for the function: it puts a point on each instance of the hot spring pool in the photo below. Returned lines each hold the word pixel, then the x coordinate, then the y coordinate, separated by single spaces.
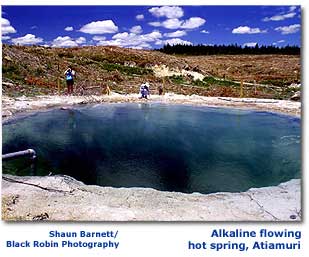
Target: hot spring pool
pixel 166 147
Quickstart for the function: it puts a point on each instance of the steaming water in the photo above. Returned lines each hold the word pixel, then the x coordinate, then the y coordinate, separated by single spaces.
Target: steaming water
pixel 166 147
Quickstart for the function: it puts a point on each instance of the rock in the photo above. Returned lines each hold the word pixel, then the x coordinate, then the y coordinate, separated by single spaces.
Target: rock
pixel 64 198
pixel 6 113
pixel 197 69
pixel 148 65
pixel 43 216
pixel 129 64
pixel 22 98
pixel 294 86
pixel 8 58
pixel 8 84
pixel 296 96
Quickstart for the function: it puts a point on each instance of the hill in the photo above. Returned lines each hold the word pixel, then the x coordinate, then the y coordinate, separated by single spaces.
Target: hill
pixel 33 70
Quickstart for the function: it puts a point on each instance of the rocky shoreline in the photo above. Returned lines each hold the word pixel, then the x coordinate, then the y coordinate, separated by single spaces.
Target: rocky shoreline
pixel 11 106
pixel 62 198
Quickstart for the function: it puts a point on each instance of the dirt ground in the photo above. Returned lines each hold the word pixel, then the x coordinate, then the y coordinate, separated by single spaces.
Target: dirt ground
pixel 249 68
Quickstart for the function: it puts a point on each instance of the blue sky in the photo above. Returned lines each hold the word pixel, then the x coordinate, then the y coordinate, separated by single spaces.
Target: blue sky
pixel 148 27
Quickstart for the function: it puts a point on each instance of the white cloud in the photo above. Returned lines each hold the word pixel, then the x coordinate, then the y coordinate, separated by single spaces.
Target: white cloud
pixel 80 40
pixel 116 42
pixel 178 33
pixel 68 29
pixel 136 29
pixel 5 22
pixel 68 41
pixel 5 37
pixel 122 43
pixel 193 22
pixel 64 42
pixel 171 24
pixel 152 36
pixel 169 12
pixel 139 17
pixel 155 24
pixel 280 17
pixel 6 27
pixel 292 12
pixel 279 42
pixel 98 38
pixel 250 44
pixel 28 39
pixel 176 41
pixel 34 27
pixel 99 27
pixel 133 40
pixel 159 42
pixel 247 30
pixel 204 31
pixel 292 8
pixel 142 46
pixel 288 29
pixel 123 35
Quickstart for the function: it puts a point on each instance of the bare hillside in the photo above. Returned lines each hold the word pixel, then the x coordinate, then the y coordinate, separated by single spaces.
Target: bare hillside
pixel 32 70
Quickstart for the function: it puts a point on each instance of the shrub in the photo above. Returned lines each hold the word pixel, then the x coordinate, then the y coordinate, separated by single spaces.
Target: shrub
pixel 66 54
pixel 12 71
pixel 125 69
pixel 177 79
pixel 213 81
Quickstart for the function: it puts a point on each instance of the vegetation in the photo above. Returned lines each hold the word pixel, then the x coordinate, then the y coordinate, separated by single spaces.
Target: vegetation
pixel 34 70
pixel 214 81
pixel 125 69
pixel 65 54
pixel 177 79
pixel 274 82
pixel 206 82
pixel 233 49
pixel 12 72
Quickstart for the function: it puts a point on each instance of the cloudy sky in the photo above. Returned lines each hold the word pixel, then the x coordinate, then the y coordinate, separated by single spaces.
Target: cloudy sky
pixel 150 27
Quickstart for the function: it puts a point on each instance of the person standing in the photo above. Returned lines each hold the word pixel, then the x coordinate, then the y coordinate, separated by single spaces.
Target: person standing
pixel 160 90
pixel 144 90
pixel 69 77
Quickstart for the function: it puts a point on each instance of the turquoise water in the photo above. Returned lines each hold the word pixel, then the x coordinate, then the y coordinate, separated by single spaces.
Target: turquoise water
pixel 166 147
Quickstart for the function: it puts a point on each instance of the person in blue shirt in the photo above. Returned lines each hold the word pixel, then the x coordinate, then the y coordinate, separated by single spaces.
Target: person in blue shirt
pixel 69 77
